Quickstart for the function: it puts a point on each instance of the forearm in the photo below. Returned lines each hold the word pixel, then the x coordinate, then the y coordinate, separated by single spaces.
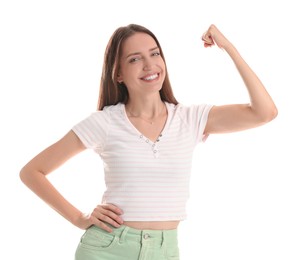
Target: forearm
pixel 41 186
pixel 260 101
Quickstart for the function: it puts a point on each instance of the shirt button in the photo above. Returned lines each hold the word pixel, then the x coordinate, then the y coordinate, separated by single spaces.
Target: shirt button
pixel 146 236
pixel 147 140
pixel 140 136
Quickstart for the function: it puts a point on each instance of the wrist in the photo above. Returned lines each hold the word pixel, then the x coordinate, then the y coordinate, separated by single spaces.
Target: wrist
pixel 81 220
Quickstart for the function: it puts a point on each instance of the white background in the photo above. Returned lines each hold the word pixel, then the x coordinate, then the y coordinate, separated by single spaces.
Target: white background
pixel 243 187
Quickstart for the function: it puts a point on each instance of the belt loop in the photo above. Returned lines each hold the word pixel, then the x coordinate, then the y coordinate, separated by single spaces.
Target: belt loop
pixel 123 234
pixel 163 238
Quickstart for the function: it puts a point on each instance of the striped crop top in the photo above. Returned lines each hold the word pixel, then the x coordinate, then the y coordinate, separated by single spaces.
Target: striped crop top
pixel 148 180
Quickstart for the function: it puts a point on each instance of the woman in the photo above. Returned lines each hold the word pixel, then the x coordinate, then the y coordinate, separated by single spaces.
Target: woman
pixel 146 140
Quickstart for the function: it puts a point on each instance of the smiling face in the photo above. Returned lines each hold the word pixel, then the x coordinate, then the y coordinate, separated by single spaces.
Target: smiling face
pixel 142 68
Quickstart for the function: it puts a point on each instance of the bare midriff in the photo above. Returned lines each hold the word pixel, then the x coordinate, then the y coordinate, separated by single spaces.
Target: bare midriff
pixel 152 225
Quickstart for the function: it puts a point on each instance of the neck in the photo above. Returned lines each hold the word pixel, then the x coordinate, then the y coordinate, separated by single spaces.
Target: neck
pixel 148 108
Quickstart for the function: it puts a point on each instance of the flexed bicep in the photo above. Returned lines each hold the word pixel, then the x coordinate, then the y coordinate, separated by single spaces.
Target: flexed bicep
pixel 232 118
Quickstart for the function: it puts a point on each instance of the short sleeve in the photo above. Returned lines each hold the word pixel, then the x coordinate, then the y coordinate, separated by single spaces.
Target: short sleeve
pixel 92 131
pixel 196 117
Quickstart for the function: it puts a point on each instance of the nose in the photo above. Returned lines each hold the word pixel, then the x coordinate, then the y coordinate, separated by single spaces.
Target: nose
pixel 148 64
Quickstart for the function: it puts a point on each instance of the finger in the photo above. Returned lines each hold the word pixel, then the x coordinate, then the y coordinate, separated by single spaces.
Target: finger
pixel 106 219
pixel 206 37
pixel 110 216
pixel 113 208
pixel 107 216
pixel 100 224
pixel 206 45
pixel 106 228
pixel 101 220
pixel 203 37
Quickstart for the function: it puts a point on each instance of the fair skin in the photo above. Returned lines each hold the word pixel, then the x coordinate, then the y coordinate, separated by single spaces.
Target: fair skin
pixel 142 69
pixel 143 72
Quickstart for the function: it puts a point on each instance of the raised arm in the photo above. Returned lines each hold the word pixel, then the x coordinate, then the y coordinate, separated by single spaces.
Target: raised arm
pixel 237 117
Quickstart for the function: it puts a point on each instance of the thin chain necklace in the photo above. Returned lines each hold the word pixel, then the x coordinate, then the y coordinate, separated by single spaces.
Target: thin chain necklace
pixel 144 119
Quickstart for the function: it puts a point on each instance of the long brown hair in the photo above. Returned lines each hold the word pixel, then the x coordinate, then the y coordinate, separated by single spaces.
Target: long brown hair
pixel 111 92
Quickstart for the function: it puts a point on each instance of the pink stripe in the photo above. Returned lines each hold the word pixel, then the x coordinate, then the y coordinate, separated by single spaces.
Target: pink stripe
pixel 143 197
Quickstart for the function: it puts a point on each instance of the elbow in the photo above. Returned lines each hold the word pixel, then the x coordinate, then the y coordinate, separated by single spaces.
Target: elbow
pixel 29 175
pixel 269 115
pixel 264 115
pixel 23 175
pixel 273 112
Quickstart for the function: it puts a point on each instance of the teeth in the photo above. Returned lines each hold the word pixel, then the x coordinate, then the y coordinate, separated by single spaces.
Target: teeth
pixel 151 77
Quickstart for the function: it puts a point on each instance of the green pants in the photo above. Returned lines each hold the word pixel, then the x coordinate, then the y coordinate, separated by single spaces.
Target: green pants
pixel 127 243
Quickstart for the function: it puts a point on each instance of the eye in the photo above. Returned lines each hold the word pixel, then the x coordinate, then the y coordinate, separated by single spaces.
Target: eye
pixel 156 53
pixel 132 60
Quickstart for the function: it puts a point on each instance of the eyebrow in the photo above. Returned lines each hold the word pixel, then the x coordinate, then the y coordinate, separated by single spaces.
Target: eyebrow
pixel 137 53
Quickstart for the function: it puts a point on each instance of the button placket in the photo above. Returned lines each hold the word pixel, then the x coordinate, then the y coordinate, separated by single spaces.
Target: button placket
pixel 156 152
pixel 154 146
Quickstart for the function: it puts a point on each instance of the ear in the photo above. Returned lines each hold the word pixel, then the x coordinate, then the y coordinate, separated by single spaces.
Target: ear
pixel 119 78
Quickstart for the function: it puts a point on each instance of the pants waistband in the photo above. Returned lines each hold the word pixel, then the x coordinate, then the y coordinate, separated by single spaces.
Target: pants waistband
pixel 141 236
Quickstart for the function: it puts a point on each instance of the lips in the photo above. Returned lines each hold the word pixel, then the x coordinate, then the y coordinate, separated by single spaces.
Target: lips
pixel 150 77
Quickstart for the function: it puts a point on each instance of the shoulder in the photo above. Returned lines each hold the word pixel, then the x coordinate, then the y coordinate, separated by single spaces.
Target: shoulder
pixel 113 108
pixel 113 111
pixel 107 112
